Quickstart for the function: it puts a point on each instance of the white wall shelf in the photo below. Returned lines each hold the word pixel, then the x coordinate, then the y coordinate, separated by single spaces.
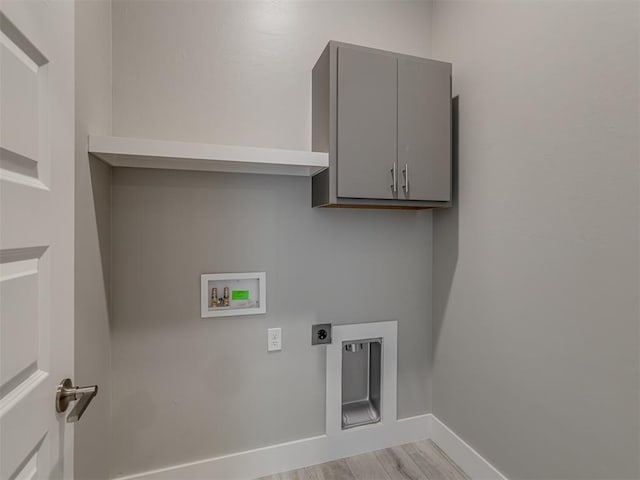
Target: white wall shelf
pixel 246 294
pixel 143 153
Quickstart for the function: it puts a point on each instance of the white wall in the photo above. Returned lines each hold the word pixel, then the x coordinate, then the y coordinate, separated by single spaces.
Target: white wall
pixel 92 237
pixel 536 269
pixel 240 73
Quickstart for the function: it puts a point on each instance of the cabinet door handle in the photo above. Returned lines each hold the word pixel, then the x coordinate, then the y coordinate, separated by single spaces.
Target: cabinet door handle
pixel 405 172
pixel 394 177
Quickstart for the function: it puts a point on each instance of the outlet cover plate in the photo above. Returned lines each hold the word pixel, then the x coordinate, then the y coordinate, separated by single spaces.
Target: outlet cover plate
pixel 321 334
pixel 274 339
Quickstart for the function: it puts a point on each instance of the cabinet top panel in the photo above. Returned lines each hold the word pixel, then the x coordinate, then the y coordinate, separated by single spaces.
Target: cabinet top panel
pixel 336 44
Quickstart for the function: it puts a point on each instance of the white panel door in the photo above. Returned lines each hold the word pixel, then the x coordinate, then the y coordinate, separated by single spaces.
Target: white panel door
pixel 36 235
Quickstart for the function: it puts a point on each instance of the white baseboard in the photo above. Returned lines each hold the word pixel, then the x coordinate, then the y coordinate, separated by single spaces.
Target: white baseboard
pixel 300 453
pixel 473 464
pixel 311 451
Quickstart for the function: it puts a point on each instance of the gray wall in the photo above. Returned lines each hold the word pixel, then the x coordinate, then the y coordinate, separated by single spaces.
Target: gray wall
pixel 239 73
pixel 92 236
pixel 536 269
pixel 187 388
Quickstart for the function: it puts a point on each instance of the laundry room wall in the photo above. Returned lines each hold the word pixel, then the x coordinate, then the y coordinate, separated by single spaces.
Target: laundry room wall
pixel 536 268
pixel 187 388
pixel 93 237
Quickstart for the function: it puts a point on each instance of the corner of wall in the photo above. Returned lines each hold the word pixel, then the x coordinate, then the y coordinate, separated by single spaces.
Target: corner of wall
pixel 93 78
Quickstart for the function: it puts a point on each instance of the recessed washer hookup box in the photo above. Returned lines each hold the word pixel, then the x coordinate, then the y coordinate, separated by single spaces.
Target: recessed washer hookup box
pixel 229 294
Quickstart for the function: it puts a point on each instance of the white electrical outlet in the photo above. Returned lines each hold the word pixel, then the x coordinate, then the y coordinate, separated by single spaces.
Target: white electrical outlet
pixel 274 339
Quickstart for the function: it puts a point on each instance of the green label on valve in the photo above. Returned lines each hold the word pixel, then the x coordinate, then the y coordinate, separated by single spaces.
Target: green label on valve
pixel 239 294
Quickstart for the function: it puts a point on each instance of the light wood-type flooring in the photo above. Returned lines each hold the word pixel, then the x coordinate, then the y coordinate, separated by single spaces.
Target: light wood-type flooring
pixel 414 461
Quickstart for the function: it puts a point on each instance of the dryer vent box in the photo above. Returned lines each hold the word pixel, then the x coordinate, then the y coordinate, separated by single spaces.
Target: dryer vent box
pixel 361 382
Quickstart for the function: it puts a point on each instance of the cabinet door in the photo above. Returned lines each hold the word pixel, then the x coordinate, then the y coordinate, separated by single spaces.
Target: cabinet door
pixel 367 123
pixel 424 129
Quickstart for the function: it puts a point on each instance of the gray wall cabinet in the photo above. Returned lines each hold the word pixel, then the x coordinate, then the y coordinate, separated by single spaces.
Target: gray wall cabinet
pixel 385 119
